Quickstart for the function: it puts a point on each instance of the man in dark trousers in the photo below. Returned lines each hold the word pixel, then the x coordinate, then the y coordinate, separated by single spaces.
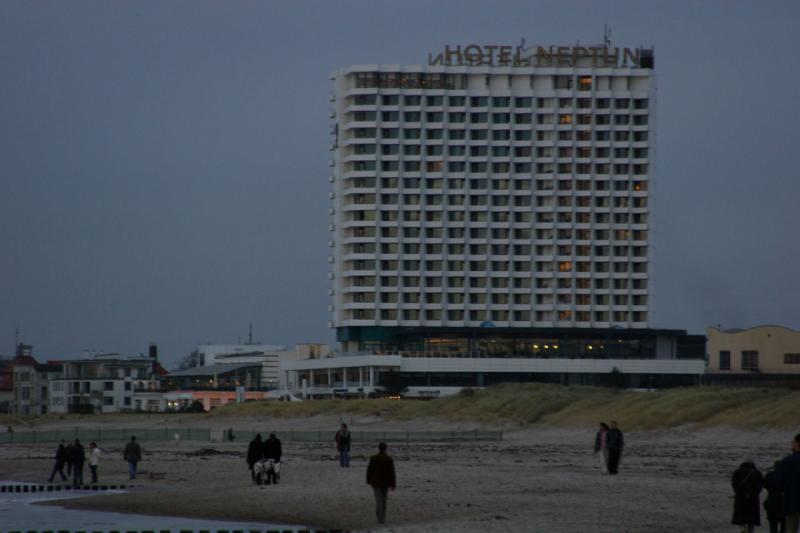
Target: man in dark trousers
pixel 61 458
pixel 272 448
pixel 132 454
pixel 380 475
pixel 343 446
pixel 68 458
pixel 788 477
pixel 615 442
pixel 254 454
pixel 78 458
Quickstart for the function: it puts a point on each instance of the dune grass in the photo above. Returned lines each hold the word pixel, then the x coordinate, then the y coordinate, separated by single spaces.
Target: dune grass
pixel 559 406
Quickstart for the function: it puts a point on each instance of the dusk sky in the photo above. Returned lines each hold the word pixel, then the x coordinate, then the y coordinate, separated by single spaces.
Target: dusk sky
pixel 164 176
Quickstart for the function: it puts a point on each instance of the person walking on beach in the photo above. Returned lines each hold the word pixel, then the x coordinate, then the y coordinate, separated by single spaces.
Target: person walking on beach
pixel 343 446
pixel 381 476
pixel 773 503
pixel 788 478
pixel 273 448
pixel 61 458
pixel 747 483
pixel 600 446
pixel 94 460
pixel 615 442
pixel 132 454
pixel 78 458
pixel 68 458
pixel 254 454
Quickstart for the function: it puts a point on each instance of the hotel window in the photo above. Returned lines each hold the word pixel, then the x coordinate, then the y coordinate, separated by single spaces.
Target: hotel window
pixel 388 314
pixel 456 135
pixel 501 101
pixel 563 82
pixel 479 101
pixel 434 100
pixel 477 315
pixel 410 314
pixel 455 315
pixel 585 83
pixel 411 100
pixel 364 99
pixel 408 116
pixel 457 101
pixel 750 360
pixel 457 117
pixel 501 135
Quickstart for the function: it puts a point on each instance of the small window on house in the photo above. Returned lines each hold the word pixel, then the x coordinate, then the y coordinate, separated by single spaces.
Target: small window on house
pixel 750 360
pixel 791 358
pixel 724 360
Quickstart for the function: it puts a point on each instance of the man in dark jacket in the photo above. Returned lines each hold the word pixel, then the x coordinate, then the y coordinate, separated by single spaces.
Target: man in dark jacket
pixel 343 446
pixel 254 453
pixel 773 503
pixel 132 454
pixel 68 458
pixel 78 458
pixel 788 477
pixel 380 475
pixel 615 442
pixel 61 458
pixel 272 448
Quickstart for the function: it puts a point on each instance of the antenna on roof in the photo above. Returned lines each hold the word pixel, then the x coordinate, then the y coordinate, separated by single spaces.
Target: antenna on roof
pixel 250 335
pixel 16 337
pixel 606 35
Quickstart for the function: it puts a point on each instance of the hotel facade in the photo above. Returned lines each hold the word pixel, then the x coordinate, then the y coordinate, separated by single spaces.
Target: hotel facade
pixel 490 220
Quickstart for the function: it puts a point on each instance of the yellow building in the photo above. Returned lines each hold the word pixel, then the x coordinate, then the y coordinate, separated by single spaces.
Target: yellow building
pixel 759 354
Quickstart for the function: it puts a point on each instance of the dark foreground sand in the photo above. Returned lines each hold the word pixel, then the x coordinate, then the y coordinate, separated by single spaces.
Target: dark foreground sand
pixel 544 480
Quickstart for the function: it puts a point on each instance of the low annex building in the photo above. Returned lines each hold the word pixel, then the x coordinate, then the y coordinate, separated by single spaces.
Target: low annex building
pixel 761 355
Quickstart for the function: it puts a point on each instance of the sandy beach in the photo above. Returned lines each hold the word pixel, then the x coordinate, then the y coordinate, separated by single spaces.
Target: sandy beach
pixel 544 479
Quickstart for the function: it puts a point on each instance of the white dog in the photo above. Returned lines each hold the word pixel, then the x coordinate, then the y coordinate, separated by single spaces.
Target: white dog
pixel 267 471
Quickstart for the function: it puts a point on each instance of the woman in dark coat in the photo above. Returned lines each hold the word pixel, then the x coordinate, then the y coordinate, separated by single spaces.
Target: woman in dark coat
pixel 254 454
pixel 747 483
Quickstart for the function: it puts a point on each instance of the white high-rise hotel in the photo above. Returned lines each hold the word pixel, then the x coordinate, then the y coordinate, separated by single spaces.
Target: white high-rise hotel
pixel 496 203
pixel 511 194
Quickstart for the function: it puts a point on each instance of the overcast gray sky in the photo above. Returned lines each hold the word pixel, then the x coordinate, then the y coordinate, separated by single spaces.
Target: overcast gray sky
pixel 163 165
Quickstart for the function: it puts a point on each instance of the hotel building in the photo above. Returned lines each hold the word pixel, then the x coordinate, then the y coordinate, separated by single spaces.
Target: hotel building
pixel 490 220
